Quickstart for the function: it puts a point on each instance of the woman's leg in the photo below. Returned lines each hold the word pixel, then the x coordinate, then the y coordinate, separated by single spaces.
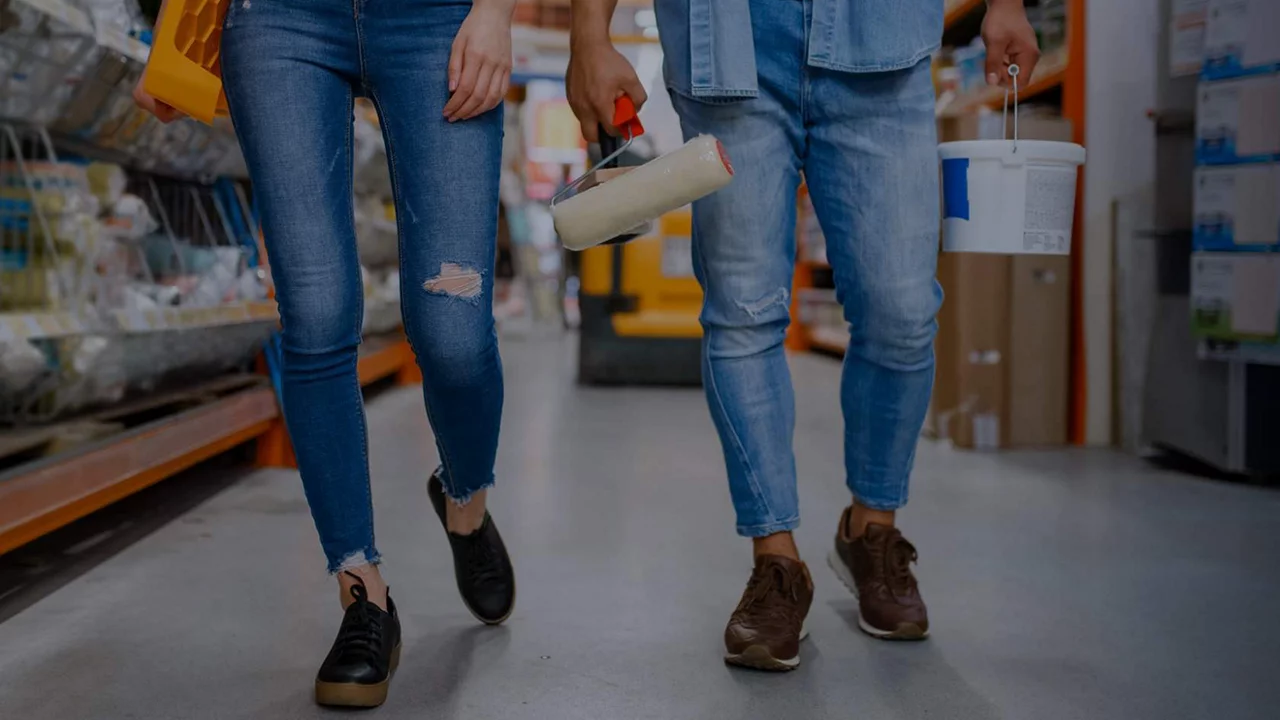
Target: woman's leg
pixel 445 178
pixel 288 69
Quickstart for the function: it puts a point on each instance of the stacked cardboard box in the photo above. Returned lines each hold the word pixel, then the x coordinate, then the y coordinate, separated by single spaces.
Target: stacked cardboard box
pixel 1235 269
pixel 1003 346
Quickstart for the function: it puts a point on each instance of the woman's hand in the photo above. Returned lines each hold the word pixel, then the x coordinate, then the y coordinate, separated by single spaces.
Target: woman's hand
pixel 143 99
pixel 480 64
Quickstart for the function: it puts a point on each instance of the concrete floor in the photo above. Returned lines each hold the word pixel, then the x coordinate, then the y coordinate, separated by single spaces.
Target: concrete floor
pixel 1073 584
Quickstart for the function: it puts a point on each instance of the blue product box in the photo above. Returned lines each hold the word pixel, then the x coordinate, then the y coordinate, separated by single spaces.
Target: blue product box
pixel 1238 120
pixel 1237 207
pixel 1242 37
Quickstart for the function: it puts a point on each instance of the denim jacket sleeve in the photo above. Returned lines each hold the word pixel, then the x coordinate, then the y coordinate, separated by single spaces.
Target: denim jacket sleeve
pixel 710 55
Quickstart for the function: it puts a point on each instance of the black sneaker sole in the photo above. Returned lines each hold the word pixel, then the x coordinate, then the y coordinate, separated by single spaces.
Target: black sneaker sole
pixel 905 631
pixel 357 695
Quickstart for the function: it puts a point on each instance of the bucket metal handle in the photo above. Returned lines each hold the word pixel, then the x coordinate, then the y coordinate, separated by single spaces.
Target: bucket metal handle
pixel 1004 122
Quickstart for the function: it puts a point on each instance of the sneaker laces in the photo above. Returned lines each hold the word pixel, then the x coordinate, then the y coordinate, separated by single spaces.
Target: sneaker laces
pixel 482 559
pixel 769 590
pixel 899 553
pixel 360 637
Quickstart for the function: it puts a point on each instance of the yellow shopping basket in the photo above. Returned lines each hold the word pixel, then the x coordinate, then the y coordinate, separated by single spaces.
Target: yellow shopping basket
pixel 184 69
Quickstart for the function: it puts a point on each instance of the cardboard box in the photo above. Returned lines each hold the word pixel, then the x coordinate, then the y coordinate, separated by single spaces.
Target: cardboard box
pixel 1002 350
pixel 1003 345
pixel 1236 296
pixel 1237 207
pixel 1242 37
pixel 1238 120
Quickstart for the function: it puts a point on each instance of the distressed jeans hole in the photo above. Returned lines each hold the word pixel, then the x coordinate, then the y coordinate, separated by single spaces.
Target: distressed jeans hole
pixel 455 280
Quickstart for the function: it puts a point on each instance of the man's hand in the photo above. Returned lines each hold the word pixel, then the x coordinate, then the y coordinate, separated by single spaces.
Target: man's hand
pixel 598 74
pixel 1010 40
pixel 480 62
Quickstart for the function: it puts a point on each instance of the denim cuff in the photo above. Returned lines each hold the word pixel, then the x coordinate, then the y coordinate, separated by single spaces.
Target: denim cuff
pixel 755 531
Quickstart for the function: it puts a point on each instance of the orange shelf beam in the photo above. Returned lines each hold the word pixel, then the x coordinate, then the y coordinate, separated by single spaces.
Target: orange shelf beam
pixel 380 358
pixel 63 489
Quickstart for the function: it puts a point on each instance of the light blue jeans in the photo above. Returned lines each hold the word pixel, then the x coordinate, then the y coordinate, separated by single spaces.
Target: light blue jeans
pixel 866 144
pixel 292 69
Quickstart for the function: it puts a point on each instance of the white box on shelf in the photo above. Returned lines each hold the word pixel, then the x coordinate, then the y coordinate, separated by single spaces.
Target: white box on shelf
pixel 1236 296
pixel 1238 120
pixel 1186 37
pixel 1237 207
pixel 1242 37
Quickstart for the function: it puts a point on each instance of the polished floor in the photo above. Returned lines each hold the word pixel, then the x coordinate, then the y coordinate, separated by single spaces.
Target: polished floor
pixel 1071 584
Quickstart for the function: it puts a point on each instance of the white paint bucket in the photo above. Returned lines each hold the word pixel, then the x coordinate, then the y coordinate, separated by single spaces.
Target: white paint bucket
pixel 1009 196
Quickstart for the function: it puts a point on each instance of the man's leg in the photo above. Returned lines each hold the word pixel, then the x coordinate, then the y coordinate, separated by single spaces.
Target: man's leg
pixel 872 171
pixel 744 245
pixel 744 250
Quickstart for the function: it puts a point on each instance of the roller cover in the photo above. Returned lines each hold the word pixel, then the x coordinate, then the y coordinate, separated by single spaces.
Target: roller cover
pixel 694 170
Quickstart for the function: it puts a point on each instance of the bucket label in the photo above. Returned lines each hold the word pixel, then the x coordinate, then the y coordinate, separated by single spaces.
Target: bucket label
pixel 1050 208
pixel 955 188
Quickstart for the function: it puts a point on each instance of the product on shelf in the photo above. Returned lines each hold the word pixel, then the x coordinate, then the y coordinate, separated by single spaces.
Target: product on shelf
pixel 1237 207
pixel 1238 120
pixel 1236 296
pixel 44 48
pixel 1242 37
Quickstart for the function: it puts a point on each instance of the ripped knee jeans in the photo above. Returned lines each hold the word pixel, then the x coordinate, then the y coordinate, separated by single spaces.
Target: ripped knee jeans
pixel 292 70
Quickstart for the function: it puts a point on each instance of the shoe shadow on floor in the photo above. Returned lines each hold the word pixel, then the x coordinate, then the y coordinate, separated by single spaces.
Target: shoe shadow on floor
pixel 912 675
pixel 436 666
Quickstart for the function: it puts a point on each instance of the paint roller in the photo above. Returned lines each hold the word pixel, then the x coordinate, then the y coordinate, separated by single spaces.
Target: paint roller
pixel 611 203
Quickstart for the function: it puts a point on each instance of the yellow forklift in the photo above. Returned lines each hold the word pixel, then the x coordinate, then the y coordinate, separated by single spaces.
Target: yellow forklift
pixel 639 305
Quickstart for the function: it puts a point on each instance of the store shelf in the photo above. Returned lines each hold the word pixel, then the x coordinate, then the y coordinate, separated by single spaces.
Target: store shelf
pixel 381 357
pixel 44 495
pixel 1251 353
pixel 1050 75
pixel 958 10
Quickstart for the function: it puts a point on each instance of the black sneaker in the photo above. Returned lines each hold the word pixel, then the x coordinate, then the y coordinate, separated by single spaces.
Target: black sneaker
pixel 481 565
pixel 357 671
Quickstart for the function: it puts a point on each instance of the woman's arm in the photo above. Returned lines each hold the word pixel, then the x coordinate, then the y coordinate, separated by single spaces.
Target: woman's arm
pixel 480 65
pixel 164 113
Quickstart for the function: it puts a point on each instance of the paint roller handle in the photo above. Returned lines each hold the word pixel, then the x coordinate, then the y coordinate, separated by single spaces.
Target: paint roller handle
pixel 627 121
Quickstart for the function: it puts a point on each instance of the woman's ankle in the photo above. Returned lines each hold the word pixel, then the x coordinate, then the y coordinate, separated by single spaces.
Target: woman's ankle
pixel 466 519
pixel 367 576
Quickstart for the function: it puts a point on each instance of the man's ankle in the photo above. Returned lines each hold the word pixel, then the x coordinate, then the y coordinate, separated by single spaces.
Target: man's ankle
pixel 782 543
pixel 861 516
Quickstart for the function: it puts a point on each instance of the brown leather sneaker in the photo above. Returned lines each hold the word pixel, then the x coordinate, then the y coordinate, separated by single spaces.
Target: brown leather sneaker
pixel 877 568
pixel 765 630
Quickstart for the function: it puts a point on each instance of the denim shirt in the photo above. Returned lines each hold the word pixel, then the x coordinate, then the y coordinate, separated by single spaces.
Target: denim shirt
pixel 710 55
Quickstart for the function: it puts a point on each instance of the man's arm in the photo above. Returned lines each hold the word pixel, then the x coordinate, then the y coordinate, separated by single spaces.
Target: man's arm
pixel 598 74
pixel 1010 40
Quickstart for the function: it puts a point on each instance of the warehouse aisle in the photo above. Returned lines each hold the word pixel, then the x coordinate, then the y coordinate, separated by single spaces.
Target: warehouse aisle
pixel 1062 585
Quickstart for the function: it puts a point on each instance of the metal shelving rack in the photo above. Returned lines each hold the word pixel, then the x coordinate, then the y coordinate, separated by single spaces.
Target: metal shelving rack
pixel 65 88
pixel 1209 400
